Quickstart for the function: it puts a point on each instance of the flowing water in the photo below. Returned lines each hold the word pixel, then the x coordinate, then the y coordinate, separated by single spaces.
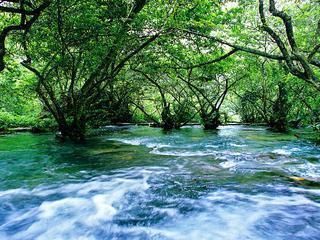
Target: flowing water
pixel 142 183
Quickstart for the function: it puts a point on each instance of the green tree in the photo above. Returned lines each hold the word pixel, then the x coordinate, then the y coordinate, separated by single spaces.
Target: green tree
pixel 83 46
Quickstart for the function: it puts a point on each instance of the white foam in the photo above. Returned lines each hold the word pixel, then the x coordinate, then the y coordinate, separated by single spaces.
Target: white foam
pixel 18 191
pixel 307 169
pixel 148 142
pixel 212 146
pixel 303 190
pixel 228 215
pixel 183 153
pixel 87 204
pixel 135 142
pixel 228 164
pixel 282 152
pixel 238 145
pixel 92 206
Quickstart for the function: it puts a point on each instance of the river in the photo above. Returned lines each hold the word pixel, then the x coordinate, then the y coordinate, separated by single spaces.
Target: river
pixel 134 182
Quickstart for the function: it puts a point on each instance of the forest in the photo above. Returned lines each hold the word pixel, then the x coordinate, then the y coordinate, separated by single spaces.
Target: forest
pixel 159 119
pixel 76 65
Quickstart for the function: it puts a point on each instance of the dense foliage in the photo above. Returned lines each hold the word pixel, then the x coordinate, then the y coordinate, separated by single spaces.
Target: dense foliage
pixel 88 63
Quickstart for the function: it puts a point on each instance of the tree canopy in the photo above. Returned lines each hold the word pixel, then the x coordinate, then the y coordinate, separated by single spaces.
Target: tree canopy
pixel 82 64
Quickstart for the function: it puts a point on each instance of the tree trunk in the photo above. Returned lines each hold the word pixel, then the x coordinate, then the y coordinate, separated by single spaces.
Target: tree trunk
pixel 279 122
pixel 74 131
pixel 212 121
pixel 168 121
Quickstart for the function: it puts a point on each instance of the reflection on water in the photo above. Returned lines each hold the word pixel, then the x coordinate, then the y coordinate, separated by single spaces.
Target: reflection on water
pixel 141 183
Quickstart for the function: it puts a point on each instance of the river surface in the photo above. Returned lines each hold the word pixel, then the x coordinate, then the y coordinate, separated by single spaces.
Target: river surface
pixel 142 183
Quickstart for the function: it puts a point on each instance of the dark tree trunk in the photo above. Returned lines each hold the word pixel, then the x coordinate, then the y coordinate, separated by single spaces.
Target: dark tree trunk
pixel 168 121
pixel 75 131
pixel 212 121
pixel 279 122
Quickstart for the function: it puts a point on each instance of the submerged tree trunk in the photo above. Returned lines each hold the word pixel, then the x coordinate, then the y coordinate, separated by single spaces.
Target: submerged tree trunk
pixel 74 131
pixel 279 120
pixel 211 121
pixel 168 123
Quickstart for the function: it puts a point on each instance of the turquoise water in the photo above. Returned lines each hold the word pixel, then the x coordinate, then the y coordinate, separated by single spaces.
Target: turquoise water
pixel 142 183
